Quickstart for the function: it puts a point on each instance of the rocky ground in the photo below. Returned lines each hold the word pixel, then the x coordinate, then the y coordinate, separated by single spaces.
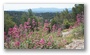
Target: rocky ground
pixel 76 44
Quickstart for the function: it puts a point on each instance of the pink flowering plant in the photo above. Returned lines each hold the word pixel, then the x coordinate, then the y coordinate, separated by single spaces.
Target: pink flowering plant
pixel 37 32
pixel 23 37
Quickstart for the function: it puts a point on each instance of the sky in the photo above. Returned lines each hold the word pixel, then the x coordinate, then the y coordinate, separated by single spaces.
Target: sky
pixel 28 6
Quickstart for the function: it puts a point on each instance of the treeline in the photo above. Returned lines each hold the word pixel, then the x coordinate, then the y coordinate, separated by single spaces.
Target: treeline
pixel 19 17
pixel 65 18
pixel 46 15
pixel 16 17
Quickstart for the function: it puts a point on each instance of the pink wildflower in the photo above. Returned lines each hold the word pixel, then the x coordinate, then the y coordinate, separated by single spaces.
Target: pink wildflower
pixel 49 43
pixel 42 41
pixel 17 43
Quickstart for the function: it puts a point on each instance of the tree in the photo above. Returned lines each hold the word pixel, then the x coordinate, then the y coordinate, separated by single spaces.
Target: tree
pixel 30 14
pixel 24 17
pixel 8 23
pixel 79 8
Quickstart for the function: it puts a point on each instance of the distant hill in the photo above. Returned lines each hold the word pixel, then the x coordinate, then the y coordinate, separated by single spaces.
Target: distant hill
pixel 43 10
pixel 40 10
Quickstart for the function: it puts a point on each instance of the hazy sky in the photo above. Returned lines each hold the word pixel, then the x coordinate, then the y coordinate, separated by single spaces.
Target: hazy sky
pixel 27 6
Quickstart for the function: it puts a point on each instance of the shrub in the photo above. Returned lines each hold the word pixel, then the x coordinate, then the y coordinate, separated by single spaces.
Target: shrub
pixel 66 23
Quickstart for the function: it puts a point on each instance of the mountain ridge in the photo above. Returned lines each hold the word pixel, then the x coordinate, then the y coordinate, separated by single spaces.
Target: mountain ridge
pixel 42 10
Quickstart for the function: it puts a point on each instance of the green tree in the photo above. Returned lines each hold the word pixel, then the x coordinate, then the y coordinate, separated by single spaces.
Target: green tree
pixel 24 18
pixel 30 13
pixel 79 8
pixel 8 22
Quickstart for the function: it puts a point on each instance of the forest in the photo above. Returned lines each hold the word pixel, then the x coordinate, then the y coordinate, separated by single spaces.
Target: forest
pixel 48 30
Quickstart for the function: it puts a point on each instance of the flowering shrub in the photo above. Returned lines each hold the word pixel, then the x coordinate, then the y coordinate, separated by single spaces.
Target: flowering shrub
pixel 25 35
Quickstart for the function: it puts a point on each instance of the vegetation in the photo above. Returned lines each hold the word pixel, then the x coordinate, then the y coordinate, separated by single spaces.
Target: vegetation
pixel 43 30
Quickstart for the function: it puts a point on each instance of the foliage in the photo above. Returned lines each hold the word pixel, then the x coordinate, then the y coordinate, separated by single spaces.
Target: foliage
pixel 53 22
pixel 79 31
pixel 25 30
pixel 8 22
pixel 66 23
pixel 79 8
pixel 24 17
pixel 24 37
pixel 46 15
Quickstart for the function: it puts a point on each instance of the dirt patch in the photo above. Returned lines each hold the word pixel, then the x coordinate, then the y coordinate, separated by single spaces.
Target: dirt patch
pixel 76 44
